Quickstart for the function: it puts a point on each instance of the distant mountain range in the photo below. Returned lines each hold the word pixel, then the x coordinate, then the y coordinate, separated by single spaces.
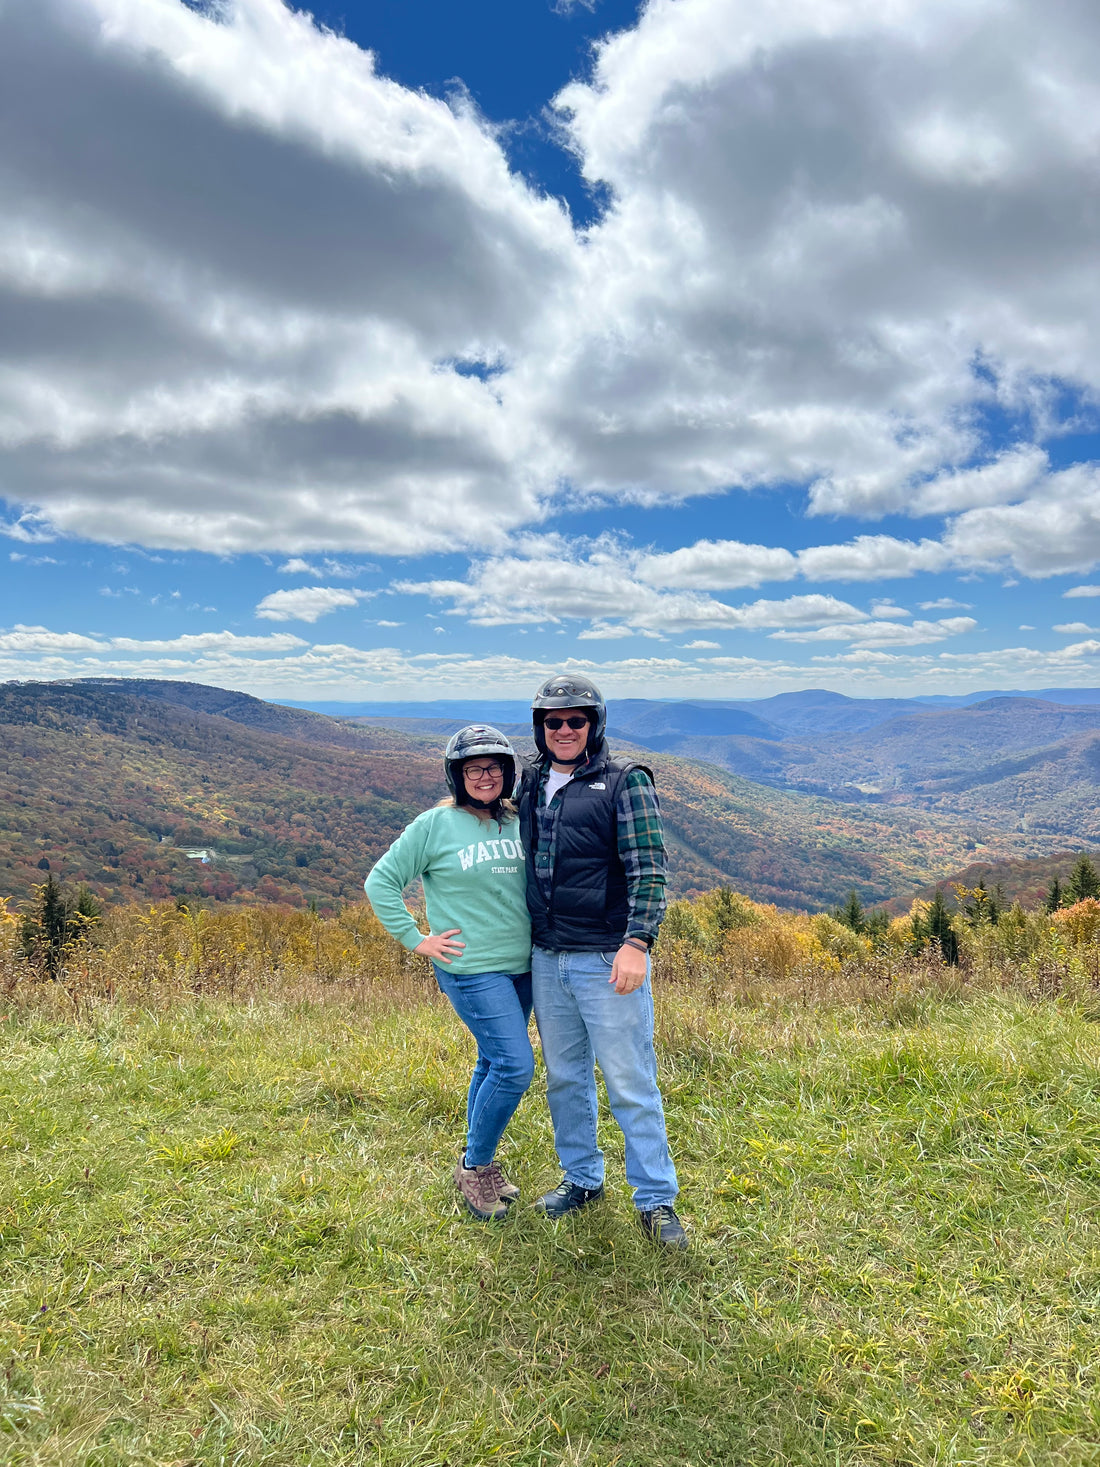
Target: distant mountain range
pixel 161 789
pixel 1015 762
pixel 1024 764
pixel 784 710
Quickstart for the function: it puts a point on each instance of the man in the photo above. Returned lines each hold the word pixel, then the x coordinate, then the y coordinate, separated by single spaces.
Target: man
pixel 596 894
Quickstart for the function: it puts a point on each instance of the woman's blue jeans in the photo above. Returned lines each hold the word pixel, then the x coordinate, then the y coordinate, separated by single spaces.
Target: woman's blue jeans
pixel 495 1007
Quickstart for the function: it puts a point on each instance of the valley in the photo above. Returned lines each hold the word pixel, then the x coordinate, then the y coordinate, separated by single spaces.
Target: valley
pixel 125 785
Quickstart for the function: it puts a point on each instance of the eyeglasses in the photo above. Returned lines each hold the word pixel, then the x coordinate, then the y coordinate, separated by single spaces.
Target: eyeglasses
pixel 553 724
pixel 480 773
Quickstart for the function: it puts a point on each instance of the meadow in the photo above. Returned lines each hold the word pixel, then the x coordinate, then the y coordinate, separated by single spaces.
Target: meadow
pixel 228 1233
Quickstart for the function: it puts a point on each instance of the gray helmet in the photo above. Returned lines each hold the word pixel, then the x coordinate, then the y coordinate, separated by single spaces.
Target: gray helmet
pixel 468 743
pixel 569 690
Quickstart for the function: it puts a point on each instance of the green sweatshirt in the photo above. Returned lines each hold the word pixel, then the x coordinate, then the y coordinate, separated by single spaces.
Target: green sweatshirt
pixel 473 873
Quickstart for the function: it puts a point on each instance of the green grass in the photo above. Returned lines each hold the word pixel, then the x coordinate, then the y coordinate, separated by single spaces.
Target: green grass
pixel 228 1235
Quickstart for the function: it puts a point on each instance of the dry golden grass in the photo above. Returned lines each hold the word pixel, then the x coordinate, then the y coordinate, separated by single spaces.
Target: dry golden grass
pixel 722 947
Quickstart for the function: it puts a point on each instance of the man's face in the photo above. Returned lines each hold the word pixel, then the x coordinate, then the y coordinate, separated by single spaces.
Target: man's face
pixel 566 743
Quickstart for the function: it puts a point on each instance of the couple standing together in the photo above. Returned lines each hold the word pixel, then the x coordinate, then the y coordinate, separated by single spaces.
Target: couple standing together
pixel 554 903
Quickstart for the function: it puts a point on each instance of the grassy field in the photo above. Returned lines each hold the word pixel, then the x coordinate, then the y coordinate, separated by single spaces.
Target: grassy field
pixel 228 1235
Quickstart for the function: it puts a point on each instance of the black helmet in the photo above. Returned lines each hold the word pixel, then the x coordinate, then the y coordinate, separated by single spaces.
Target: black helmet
pixel 468 743
pixel 569 690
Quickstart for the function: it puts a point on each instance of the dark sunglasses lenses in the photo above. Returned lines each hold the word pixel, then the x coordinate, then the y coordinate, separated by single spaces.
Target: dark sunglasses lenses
pixel 553 724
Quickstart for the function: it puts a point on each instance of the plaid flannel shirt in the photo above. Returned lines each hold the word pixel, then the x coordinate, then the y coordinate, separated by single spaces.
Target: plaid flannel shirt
pixel 641 849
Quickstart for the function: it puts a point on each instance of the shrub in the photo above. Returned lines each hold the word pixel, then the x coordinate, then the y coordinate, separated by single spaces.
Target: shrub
pixel 724 946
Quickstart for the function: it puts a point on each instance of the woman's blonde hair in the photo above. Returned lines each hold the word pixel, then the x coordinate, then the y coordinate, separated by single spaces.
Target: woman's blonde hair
pixel 509 810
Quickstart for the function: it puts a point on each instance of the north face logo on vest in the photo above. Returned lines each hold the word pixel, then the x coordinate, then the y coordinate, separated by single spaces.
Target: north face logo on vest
pixel 490 850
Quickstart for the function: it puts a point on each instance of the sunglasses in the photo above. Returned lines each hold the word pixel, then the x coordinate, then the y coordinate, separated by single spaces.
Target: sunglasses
pixel 553 724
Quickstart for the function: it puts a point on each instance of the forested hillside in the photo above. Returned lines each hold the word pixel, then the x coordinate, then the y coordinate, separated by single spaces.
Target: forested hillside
pixel 144 791
pixel 1027 881
pixel 1015 763
pixel 114 789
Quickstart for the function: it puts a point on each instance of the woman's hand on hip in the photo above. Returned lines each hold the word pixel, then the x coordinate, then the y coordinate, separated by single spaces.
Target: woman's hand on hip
pixel 629 969
pixel 441 946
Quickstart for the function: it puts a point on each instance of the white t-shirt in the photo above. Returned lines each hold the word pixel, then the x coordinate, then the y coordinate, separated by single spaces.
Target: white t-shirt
pixel 554 781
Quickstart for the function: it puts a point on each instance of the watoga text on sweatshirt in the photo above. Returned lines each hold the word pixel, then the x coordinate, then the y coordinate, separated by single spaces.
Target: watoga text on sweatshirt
pixel 473 874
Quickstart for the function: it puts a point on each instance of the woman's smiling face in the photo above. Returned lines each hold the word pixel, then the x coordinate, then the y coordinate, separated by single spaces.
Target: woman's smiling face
pixel 483 778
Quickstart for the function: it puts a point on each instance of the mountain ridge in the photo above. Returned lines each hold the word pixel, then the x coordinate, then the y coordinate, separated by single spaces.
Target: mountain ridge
pixel 130 790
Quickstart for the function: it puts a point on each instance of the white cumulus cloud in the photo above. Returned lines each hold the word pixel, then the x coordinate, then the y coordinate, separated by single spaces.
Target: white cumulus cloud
pixel 255 362
pixel 883 633
pixel 722 565
pixel 306 603
pixel 850 218
pixel 40 639
pixel 297 566
pixel 1052 532
pixel 285 666
pixel 842 238
pixel 604 590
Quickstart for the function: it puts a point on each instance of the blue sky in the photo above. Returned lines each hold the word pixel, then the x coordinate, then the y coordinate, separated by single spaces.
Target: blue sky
pixel 413 350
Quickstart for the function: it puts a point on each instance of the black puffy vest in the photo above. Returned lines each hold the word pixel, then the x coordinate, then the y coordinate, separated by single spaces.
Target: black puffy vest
pixel 588 909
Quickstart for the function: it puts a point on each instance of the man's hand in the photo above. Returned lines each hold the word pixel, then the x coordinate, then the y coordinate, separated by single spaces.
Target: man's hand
pixel 629 968
pixel 441 946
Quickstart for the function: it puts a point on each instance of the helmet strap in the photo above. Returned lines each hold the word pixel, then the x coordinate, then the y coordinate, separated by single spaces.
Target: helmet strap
pixel 577 758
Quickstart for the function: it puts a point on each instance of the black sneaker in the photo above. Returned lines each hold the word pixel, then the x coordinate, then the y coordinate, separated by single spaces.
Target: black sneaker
pixel 663 1226
pixel 567 1197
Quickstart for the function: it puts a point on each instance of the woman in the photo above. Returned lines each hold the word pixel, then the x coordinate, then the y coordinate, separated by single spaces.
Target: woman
pixel 468 852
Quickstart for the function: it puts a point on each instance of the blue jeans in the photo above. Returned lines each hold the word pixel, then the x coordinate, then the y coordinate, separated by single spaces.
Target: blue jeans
pixel 495 1007
pixel 583 1020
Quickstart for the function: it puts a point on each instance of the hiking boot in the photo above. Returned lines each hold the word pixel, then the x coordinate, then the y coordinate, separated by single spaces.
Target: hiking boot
pixel 478 1185
pixel 567 1197
pixel 663 1226
pixel 505 1189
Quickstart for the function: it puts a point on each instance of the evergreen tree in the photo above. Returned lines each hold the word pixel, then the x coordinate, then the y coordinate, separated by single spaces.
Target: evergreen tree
pixel 977 905
pixel 726 911
pixel 939 928
pixel 1083 881
pixel 877 925
pixel 87 908
pixel 725 917
pixel 1054 896
pixel 851 913
pixel 44 929
pixel 55 925
pixel 919 927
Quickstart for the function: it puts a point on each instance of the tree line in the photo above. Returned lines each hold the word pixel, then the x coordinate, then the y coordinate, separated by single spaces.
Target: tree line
pixel 976 906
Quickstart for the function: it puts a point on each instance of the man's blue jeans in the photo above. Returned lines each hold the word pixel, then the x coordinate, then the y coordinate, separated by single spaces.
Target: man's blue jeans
pixel 582 1019
pixel 495 1007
